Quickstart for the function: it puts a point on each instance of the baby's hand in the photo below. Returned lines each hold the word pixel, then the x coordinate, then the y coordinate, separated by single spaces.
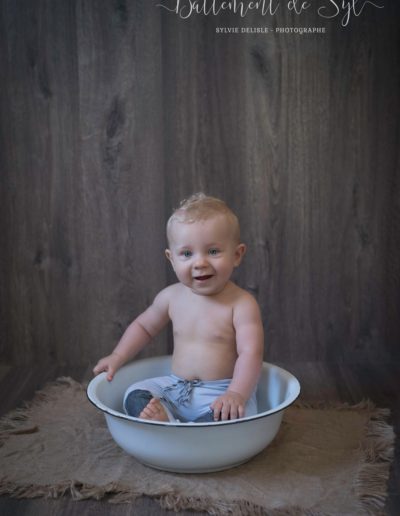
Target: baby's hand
pixel 110 364
pixel 228 406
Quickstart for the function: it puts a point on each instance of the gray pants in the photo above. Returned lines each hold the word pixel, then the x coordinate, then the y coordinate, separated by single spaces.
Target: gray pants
pixel 183 400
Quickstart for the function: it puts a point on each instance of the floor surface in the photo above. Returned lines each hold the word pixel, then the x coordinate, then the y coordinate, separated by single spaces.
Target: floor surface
pixel 319 381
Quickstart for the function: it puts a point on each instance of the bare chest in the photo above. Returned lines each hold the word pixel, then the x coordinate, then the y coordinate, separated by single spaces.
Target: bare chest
pixel 202 320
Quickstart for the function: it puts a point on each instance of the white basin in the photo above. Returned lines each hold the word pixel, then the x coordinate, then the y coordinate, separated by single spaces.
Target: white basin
pixel 192 447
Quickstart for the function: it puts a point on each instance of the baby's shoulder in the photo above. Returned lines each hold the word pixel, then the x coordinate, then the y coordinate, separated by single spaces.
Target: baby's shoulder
pixel 245 309
pixel 166 298
pixel 171 292
pixel 243 298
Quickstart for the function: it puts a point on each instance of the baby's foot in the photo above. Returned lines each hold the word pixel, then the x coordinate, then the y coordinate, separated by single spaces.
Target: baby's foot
pixel 154 411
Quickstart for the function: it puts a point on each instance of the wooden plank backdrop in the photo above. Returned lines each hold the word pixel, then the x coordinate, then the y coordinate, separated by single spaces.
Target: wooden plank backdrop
pixel 113 111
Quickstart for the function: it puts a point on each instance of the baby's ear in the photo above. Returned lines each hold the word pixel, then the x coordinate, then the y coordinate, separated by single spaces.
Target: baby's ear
pixel 239 253
pixel 168 254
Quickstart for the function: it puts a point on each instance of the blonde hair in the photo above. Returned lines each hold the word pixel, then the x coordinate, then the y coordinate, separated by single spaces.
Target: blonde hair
pixel 200 206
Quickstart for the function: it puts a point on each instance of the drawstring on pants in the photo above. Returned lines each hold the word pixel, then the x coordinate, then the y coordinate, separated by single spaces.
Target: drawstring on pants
pixel 185 390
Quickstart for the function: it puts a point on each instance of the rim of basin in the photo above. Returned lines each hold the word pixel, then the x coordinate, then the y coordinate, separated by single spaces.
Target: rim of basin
pixel 291 398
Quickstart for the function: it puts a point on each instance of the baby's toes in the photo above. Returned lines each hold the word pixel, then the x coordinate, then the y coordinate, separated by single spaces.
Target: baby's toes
pixel 159 412
pixel 149 411
pixel 153 411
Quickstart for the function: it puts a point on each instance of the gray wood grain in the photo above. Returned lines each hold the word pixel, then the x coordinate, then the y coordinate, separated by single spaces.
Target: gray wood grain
pixel 112 112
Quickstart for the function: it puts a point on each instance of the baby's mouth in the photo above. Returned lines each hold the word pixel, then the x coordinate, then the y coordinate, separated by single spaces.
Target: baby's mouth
pixel 203 278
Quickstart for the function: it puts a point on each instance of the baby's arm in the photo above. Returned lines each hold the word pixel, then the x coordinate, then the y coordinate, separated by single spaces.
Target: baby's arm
pixel 250 348
pixel 137 335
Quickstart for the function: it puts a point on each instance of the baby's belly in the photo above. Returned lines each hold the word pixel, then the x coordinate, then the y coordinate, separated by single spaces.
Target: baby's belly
pixel 203 362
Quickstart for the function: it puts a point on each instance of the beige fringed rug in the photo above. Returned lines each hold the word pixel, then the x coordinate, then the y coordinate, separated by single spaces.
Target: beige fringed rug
pixel 325 460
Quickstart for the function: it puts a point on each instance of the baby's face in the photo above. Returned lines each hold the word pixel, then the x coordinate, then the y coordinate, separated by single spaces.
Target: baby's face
pixel 204 253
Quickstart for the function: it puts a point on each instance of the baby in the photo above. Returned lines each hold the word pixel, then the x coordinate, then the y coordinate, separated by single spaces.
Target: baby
pixel 217 327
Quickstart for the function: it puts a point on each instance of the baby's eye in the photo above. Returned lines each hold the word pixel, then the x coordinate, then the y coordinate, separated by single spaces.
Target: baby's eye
pixel 213 252
pixel 186 253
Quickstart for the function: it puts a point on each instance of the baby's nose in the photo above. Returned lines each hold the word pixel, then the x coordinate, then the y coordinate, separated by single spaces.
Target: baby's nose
pixel 200 262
